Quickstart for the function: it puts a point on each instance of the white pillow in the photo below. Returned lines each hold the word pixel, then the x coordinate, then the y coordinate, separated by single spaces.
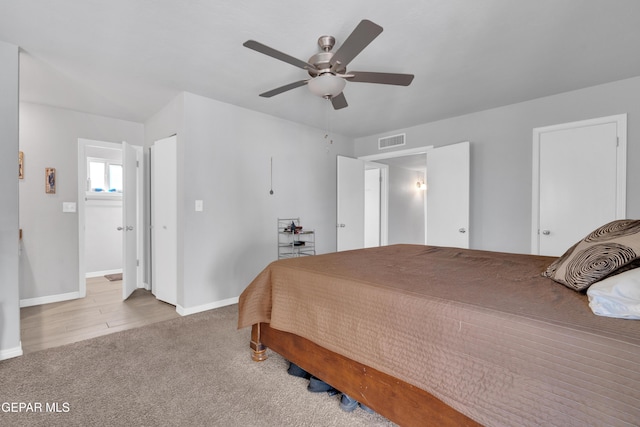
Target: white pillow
pixel 617 296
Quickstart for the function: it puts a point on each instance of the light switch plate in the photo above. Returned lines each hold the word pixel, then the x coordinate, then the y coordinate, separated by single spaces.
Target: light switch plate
pixel 68 206
pixel 199 205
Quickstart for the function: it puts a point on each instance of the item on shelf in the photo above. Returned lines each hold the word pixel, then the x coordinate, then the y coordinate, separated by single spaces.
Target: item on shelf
pixel 293 240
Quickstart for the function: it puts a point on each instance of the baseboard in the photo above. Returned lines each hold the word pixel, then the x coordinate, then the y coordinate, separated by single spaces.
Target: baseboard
pixel 11 352
pixel 28 302
pixel 102 273
pixel 200 308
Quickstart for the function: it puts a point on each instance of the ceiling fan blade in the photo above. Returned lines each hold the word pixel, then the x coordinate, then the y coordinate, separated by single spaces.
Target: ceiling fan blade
pixel 339 101
pixel 382 78
pixel 259 47
pixel 362 35
pixel 284 88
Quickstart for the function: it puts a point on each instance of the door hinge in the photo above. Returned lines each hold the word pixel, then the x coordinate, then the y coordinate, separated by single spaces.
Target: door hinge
pixel 137 263
pixel 137 163
pixel 617 141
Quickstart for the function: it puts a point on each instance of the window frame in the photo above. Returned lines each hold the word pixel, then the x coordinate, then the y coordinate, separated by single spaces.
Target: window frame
pixel 105 194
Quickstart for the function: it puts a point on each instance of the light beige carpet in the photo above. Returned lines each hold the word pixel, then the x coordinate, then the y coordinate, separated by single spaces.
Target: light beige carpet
pixel 192 371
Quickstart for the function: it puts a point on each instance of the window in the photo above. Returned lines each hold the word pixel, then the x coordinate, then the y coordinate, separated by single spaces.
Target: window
pixel 104 176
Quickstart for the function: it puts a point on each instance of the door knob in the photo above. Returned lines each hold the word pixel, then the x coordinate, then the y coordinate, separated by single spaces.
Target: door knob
pixel 546 232
pixel 119 228
pixel 462 230
pixel 341 225
pixel 129 227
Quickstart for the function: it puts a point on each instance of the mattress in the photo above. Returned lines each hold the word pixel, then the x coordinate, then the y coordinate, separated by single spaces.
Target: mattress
pixel 482 331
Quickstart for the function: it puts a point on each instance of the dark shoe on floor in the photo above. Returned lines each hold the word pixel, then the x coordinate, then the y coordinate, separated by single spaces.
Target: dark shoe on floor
pixel 316 385
pixel 348 404
pixel 297 371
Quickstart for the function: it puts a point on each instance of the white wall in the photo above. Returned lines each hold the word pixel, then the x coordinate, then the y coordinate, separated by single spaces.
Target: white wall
pixel 227 164
pixel 501 155
pixel 406 207
pixel 9 245
pixel 49 138
pixel 224 160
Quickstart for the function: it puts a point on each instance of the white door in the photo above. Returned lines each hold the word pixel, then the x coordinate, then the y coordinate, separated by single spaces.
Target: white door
pixel 580 180
pixel 164 220
pixel 129 220
pixel 350 204
pixel 447 222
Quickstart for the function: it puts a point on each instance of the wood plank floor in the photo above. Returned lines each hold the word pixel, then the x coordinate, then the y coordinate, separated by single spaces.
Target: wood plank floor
pixel 101 312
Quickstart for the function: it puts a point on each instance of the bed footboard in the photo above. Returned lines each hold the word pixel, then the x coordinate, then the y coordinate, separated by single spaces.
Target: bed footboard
pixel 392 398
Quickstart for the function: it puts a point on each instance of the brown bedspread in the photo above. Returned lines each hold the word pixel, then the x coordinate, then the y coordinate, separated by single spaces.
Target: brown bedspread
pixel 482 331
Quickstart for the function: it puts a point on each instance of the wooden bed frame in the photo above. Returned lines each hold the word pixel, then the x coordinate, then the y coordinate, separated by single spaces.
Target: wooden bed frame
pixel 390 397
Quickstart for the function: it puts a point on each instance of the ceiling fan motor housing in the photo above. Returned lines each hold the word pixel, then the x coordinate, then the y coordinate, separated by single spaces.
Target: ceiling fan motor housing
pixel 322 59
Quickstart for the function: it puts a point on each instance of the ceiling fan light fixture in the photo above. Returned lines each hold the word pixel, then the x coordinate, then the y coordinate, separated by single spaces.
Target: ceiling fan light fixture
pixel 326 85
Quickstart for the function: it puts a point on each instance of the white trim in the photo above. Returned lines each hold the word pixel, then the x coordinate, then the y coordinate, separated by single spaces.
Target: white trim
pixel 200 308
pixel 28 302
pixel 11 352
pixel 102 273
pixel 397 153
pixel 621 159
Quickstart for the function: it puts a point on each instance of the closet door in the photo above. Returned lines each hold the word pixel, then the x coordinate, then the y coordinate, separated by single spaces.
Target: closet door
pixel 164 221
pixel 579 180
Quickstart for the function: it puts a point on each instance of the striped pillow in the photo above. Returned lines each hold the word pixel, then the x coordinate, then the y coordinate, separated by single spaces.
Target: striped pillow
pixel 605 251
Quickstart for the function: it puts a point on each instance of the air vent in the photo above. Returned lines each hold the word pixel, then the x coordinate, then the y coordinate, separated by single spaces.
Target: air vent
pixel 391 141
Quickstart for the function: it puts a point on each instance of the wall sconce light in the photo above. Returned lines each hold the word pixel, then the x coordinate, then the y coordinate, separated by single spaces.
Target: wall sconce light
pixel 421 185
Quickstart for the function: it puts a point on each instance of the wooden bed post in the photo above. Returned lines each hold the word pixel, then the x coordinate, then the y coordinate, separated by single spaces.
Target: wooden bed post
pixel 258 350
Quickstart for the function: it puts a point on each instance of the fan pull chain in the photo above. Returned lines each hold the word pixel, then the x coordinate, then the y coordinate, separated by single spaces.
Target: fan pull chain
pixel 327 135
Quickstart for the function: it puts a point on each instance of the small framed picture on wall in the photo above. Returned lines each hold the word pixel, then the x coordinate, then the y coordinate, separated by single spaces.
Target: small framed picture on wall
pixel 20 165
pixel 50 180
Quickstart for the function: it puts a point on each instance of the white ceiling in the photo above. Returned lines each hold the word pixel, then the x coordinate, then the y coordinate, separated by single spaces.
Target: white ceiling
pixel 128 58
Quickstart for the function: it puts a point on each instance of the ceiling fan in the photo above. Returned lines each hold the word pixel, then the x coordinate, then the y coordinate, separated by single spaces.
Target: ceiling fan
pixel 328 70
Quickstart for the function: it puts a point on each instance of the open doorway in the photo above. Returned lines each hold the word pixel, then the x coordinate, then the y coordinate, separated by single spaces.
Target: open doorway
pixel 403 202
pixel 396 209
pixel 443 201
pixel 102 232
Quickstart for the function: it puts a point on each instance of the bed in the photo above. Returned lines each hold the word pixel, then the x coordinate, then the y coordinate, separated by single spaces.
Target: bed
pixel 429 335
